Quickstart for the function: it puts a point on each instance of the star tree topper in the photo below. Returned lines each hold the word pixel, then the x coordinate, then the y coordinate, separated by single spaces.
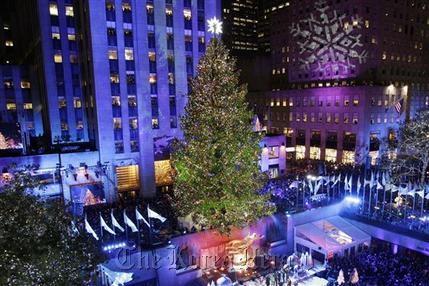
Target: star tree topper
pixel 215 26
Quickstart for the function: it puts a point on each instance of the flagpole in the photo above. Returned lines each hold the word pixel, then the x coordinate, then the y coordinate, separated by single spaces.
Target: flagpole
pixel 138 232
pixel 150 226
pixel 101 227
pixel 126 228
pixel 113 226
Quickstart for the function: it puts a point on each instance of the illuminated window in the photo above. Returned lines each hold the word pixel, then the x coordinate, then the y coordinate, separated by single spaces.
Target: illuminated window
pixel 304 117
pixel 11 106
pixel 8 83
pixel 152 56
pixel 187 14
pixel 331 155
pixel 273 152
pixel 300 152
pixel 152 78
pixel 346 102
pixel 77 103
pixel 291 102
pixel 117 123
pixel 315 153
pixel 384 56
pixel 71 37
pixel 129 54
pixel 328 118
pixel 69 11
pixel 337 118
pixel 53 9
pixel 79 124
pixel 348 157
pixel 9 43
pixel 25 84
pixel 114 78
pixel 62 102
pixel 133 123
pixel 355 118
pixel 116 101
pixel 367 24
pixel 58 58
pixel 155 123
pixel 126 7
pixel 56 36
pixel 113 54
pixel 346 118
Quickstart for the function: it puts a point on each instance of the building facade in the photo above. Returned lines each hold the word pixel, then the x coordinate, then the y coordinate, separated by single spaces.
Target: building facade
pixel 344 75
pixel 115 73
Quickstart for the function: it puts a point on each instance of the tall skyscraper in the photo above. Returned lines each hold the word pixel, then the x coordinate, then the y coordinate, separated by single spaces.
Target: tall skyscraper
pixel 115 73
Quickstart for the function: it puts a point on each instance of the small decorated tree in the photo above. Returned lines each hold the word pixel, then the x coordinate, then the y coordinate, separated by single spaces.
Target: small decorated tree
pixel 217 174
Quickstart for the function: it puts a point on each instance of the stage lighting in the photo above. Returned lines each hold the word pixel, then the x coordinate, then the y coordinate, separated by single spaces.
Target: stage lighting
pixel 352 200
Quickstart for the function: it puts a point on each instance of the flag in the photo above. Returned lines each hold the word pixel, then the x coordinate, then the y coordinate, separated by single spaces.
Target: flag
pixel 105 226
pixel 398 105
pixel 379 186
pixel 115 222
pixel 383 179
pixel 130 223
pixel 294 184
pixel 349 183
pixel 317 187
pixel 421 194
pixel 310 185
pixel 89 229
pixel 372 181
pixel 140 217
pixel 153 214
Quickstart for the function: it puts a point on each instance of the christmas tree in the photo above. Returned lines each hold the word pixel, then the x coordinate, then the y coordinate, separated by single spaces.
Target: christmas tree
pixel 217 174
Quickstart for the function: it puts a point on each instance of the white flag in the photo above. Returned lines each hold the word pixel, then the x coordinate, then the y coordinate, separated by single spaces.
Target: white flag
pixel 130 223
pixel 317 187
pixel 379 186
pixel 105 226
pixel 153 214
pixel 115 222
pixel 294 184
pixel 421 194
pixel 140 217
pixel 89 229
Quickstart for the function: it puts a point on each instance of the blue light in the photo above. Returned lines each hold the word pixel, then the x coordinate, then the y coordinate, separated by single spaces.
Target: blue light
pixel 113 246
pixel 352 200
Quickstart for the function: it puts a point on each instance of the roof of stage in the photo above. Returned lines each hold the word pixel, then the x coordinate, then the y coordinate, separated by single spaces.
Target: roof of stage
pixel 332 234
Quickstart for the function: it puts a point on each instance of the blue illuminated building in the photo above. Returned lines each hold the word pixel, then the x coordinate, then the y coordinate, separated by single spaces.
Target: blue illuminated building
pixel 113 79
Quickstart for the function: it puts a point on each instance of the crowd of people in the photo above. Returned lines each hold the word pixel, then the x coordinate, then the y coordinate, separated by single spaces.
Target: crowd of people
pixel 380 266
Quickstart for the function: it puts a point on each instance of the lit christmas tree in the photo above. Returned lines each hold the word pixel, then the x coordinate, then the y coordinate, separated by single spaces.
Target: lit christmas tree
pixel 217 173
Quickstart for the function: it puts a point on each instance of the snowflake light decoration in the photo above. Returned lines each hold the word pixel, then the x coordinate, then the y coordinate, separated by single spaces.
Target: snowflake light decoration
pixel 329 44
pixel 215 26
